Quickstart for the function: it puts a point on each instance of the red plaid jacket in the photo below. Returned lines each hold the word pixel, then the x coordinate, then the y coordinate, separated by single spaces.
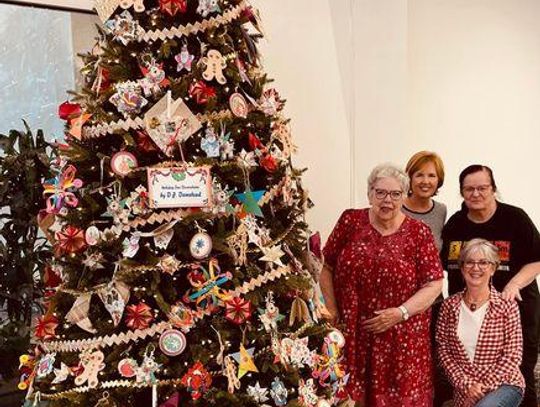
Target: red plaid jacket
pixel 498 351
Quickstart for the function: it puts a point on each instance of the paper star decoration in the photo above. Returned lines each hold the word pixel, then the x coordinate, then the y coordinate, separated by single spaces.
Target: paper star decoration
pixel 273 255
pixel 250 201
pixel 61 374
pixel 257 393
pixel 244 358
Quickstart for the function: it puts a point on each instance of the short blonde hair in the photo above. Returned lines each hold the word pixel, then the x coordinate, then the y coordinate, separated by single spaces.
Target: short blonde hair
pixel 483 246
pixel 388 170
pixel 420 159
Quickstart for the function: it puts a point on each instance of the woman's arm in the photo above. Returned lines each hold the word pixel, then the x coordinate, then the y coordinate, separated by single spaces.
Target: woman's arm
pixel 416 304
pixel 327 288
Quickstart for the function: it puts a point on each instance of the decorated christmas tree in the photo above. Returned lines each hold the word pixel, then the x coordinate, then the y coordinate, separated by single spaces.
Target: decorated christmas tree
pixel 183 275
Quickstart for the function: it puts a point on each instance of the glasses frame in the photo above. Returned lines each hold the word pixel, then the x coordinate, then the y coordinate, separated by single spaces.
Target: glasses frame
pixel 482 264
pixel 381 194
pixel 481 189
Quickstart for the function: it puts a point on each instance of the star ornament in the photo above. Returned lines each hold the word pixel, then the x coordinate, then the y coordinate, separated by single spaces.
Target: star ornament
pixel 184 59
pixel 250 201
pixel 273 255
pixel 172 7
pixel 257 393
pixel 61 374
pixel 244 358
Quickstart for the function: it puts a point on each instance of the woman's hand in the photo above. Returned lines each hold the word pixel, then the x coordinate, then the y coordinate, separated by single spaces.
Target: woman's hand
pixel 384 320
pixel 333 315
pixel 475 392
pixel 511 292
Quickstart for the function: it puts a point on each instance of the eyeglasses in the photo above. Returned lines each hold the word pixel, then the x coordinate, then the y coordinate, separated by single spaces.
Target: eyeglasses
pixel 482 264
pixel 482 189
pixel 381 194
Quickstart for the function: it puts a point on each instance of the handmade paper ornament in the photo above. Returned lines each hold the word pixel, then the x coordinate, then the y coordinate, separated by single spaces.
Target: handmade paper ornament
pixel 244 358
pixel 227 146
pixel 250 201
pixel 172 7
pixel 131 246
pixel 270 102
pixel 61 375
pixel 229 371
pixel 273 255
pixel 138 5
pixel 257 235
pixel 197 380
pixel 270 315
pixel 124 28
pixel 162 240
pixel 170 122
pixel 200 245
pixel 69 240
pixel 52 276
pixel 173 401
pixel 268 162
pixel 78 314
pixel 46 327
pixel 242 71
pixel 215 64
pixel 123 162
pixel 92 236
pixel 238 310
pixel 105 8
pixel 257 393
pixel 76 125
pixel 296 352
pixel 61 190
pixel 27 364
pixel 144 142
pixel 139 316
pixel 154 78
pixel 247 159
pixel 307 395
pixel 92 363
pixel 128 368
pixel 172 342
pixel 94 261
pixel 146 372
pixel 221 197
pixel 208 6
pixel 115 297
pixel 169 264
pixel 279 392
pixel 299 311
pixel 137 201
pixel 238 105
pixel 328 367
pixel 45 365
pixel 184 59
pixel 207 292
pixel 127 98
pixel 210 143
pixel 201 92
pixel 181 317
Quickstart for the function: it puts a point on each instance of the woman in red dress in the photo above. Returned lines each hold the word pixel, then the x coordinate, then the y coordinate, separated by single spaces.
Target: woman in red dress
pixel 382 273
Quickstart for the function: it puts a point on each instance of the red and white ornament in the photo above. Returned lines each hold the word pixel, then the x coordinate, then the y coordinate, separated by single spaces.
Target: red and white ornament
pixel 92 236
pixel 123 162
pixel 127 367
pixel 238 104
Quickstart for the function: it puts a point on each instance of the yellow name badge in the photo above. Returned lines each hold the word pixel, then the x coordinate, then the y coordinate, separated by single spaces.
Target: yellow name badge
pixel 454 250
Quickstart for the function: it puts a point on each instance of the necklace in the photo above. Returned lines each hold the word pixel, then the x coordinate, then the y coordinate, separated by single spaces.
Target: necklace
pixel 473 306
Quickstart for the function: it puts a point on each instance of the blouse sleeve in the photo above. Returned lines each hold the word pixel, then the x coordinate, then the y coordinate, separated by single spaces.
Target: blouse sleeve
pixel 508 363
pixel 337 238
pixel 428 261
pixel 446 346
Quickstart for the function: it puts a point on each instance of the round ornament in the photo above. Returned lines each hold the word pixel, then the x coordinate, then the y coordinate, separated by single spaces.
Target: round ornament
pixel 123 162
pixel 172 342
pixel 92 236
pixel 337 337
pixel 238 105
pixel 200 245
pixel 127 367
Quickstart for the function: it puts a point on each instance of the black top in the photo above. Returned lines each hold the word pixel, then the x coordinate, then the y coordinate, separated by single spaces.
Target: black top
pixel 510 229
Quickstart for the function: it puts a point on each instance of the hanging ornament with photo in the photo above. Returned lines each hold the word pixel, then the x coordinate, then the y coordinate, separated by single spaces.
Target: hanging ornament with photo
pixel 123 162
pixel 238 105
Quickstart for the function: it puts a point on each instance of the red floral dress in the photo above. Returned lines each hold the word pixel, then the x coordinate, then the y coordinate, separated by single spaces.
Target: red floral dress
pixel 373 272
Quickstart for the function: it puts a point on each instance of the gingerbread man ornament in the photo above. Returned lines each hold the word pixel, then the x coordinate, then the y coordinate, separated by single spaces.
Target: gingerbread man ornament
pixel 215 64
pixel 92 363
pixel 138 5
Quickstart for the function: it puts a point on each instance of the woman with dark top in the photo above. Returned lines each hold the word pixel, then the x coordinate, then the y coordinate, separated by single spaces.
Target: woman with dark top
pixel 382 272
pixel 518 240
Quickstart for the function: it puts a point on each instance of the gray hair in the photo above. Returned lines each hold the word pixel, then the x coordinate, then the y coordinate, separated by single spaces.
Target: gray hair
pixel 388 170
pixel 488 249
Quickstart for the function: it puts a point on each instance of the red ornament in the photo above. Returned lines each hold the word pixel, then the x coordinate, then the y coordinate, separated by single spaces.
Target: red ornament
pixel 268 163
pixel 68 111
pixel 139 316
pixel 201 92
pixel 255 143
pixel 46 327
pixel 238 310
pixel 173 6
pixel 51 277
pixel 144 142
pixel 69 240
pixel 197 380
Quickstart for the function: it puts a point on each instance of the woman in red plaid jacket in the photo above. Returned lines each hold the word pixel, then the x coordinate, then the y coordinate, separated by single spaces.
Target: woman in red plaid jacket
pixel 479 335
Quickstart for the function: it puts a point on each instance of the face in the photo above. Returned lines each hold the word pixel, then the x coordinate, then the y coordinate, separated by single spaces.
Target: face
pixel 424 181
pixel 387 207
pixel 477 270
pixel 477 191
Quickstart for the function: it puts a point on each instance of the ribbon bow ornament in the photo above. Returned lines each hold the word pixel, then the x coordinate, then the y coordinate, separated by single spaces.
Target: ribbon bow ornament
pixel 61 190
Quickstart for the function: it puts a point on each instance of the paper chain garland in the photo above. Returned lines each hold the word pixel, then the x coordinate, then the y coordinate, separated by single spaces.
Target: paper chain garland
pixel 200 26
pixel 100 130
